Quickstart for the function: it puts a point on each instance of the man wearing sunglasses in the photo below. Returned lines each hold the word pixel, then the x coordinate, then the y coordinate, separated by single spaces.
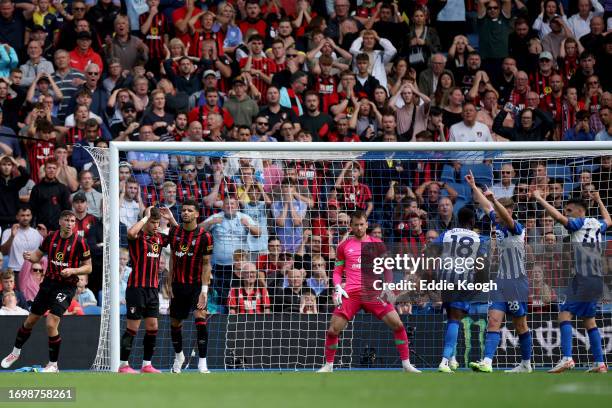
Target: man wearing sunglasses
pixel 494 27
pixel 19 238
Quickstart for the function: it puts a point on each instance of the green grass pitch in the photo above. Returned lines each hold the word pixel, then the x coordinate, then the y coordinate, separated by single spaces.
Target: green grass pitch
pixel 305 389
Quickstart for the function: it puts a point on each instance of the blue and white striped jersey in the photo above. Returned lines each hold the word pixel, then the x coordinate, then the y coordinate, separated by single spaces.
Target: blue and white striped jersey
pixel 460 249
pixel 586 240
pixel 511 245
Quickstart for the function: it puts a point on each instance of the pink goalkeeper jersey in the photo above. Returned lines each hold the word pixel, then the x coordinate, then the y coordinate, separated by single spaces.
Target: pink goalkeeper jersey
pixel 348 260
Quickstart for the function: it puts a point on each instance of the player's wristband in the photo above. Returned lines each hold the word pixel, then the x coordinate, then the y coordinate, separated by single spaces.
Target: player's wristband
pixel 144 219
pixel 205 289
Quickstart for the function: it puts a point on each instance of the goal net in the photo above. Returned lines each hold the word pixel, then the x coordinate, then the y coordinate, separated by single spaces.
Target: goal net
pixel 283 213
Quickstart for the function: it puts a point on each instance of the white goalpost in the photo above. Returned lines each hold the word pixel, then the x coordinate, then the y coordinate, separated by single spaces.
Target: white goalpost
pixel 502 152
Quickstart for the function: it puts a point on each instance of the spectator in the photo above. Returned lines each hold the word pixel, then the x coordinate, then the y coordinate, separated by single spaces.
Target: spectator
pixel 83 54
pixel 493 31
pixel 469 130
pixel 84 295
pixel 10 186
pixel 534 125
pixel 444 218
pixel 430 77
pixel 8 285
pixel 579 23
pixel 582 131
pixel 249 297
pixel 10 307
pixel 411 116
pixel 35 65
pixel 317 123
pixel 308 303
pixel 505 187
pixel 20 237
pixel 49 197
pixel 289 212
pixel 129 50
pixel 130 203
pixel 288 297
pixel 94 197
pixel 541 295
pixel 240 105
pixel 369 43
pixel 230 229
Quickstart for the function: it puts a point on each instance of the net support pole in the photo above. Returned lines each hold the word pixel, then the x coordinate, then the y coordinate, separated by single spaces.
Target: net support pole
pixel 114 324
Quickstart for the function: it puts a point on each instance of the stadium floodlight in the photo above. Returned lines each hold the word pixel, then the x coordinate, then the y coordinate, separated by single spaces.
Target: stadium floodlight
pixel 566 158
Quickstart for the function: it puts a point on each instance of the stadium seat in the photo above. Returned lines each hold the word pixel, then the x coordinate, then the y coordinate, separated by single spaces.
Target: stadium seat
pixel 464 196
pixel 560 172
pixel 92 310
pixel 100 298
pixel 567 189
pixel 588 167
pixel 483 173
pixel 448 174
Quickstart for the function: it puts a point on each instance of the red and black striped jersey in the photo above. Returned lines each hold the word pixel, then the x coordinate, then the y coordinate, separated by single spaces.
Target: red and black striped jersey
pixel 152 195
pixel 265 65
pixel 356 197
pixel 64 253
pixel 243 302
pixel 188 251
pixel 145 252
pixel 326 87
pixel 200 114
pixel 154 38
pixel 540 83
pixel 38 154
pixel 82 227
pixel 75 135
pixel 196 191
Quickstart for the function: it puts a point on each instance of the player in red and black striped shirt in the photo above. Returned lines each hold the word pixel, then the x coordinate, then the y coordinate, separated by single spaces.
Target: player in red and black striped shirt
pixel 191 248
pixel 69 257
pixel 145 244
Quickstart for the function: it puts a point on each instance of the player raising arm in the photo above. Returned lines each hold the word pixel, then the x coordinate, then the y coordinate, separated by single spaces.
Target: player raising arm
pixel 512 282
pixel 142 293
pixel 69 257
pixel 190 271
pixel 350 299
pixel 585 237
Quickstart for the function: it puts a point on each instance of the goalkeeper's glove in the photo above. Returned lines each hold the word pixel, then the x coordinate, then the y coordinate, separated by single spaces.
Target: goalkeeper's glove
pixel 339 293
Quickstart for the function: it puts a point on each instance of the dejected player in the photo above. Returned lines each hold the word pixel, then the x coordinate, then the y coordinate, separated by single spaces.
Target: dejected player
pixel 190 272
pixel 586 238
pixel 145 244
pixel 513 284
pixel 69 257
pixel 349 300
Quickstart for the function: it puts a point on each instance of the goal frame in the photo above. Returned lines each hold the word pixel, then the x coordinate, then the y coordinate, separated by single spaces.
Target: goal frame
pixel 391 147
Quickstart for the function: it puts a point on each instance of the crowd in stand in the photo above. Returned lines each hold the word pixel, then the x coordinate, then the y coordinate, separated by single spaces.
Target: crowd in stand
pixel 76 74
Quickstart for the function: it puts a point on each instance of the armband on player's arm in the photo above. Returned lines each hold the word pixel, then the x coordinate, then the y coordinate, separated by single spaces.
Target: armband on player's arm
pixel 205 289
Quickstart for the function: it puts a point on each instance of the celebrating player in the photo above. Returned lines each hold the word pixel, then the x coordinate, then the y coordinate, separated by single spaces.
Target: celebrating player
pixel 69 257
pixel 142 293
pixel 349 299
pixel 586 285
pixel 513 285
pixel 458 243
pixel 190 276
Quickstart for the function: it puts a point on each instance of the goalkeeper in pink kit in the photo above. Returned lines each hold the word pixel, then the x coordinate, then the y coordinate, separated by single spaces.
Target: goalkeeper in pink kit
pixel 350 299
